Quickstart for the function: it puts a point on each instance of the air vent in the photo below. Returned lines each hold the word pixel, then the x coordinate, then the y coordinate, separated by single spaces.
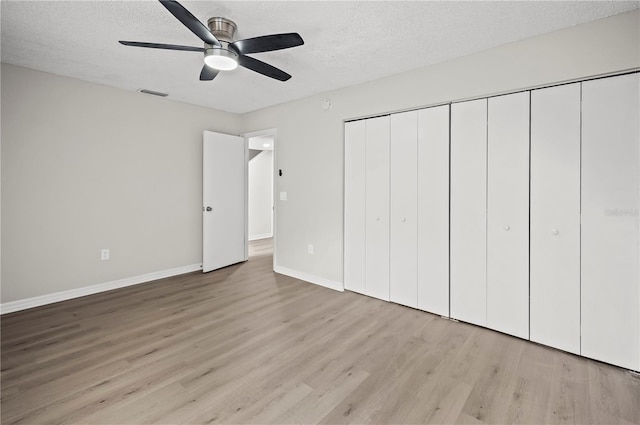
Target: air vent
pixel 155 93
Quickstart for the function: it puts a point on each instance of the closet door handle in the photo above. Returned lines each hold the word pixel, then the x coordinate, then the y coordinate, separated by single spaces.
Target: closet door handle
pixel 555 232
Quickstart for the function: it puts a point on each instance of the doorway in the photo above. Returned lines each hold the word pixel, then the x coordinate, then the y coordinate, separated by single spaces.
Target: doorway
pixel 260 193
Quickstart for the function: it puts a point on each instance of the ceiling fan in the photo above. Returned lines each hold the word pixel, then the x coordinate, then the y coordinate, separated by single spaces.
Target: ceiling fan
pixel 221 53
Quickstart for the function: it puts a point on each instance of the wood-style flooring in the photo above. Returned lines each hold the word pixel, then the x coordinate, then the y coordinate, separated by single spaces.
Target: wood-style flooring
pixel 246 345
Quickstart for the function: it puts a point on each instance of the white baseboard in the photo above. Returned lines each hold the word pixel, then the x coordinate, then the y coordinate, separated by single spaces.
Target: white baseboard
pixel 94 289
pixel 261 236
pixel 336 286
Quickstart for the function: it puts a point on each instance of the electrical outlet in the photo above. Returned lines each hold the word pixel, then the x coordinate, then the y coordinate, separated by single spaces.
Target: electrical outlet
pixel 104 254
pixel 310 249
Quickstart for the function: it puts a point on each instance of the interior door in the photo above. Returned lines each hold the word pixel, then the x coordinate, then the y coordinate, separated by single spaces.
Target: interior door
pixel 403 266
pixel 610 287
pixel 354 206
pixel 377 208
pixel 555 217
pixel 508 214
pixel 224 196
pixel 433 210
pixel 469 211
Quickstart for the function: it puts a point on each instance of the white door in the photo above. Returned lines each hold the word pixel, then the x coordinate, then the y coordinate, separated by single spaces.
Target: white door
pixel 403 271
pixel 508 214
pixel 469 211
pixel 224 196
pixel 555 217
pixel 377 208
pixel 433 210
pixel 354 206
pixel 610 202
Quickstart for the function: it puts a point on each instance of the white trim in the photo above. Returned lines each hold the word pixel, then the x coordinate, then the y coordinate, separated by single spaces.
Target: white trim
pixel 336 286
pixel 261 236
pixel 55 297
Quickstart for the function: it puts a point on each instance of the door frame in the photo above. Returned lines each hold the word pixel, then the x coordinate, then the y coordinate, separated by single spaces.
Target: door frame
pixel 273 132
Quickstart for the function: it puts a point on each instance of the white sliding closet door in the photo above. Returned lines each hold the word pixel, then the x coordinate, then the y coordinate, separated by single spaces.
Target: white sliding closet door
pixel 433 210
pixel 404 209
pixel 468 211
pixel 377 208
pixel 354 206
pixel 555 217
pixel 610 201
pixel 508 214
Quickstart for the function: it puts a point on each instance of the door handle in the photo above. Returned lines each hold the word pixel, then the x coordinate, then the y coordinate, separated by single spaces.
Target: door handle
pixel 208 209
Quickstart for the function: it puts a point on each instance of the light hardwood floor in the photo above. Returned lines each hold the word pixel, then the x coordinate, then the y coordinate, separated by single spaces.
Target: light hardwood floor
pixel 245 345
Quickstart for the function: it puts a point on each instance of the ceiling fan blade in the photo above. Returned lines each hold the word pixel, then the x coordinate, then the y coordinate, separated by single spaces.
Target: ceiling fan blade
pixel 263 68
pixel 162 46
pixel 208 73
pixel 267 43
pixel 190 21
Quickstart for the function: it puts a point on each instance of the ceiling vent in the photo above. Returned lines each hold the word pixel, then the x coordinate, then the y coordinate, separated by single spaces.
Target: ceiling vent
pixel 155 93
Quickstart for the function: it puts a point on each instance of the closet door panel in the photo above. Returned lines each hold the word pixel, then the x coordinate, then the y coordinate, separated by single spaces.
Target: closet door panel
pixel 354 206
pixel 610 201
pixel 468 211
pixel 433 210
pixel 377 208
pixel 404 197
pixel 555 217
pixel 508 214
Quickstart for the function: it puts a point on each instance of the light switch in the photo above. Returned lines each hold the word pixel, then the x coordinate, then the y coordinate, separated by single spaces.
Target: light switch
pixel 283 196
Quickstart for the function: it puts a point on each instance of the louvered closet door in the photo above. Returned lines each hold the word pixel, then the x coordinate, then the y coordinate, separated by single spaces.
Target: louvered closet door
pixel 468 211
pixel 377 208
pixel 555 217
pixel 404 209
pixel 610 201
pixel 508 214
pixel 354 206
pixel 433 210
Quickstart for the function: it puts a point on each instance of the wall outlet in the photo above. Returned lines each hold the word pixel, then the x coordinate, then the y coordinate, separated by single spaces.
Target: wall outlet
pixel 310 249
pixel 104 254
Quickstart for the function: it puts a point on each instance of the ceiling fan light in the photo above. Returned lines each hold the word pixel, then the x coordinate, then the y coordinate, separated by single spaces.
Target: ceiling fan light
pixel 220 59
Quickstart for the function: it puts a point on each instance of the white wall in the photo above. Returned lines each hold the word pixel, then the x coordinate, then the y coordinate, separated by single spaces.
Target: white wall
pixel 260 195
pixel 310 139
pixel 86 167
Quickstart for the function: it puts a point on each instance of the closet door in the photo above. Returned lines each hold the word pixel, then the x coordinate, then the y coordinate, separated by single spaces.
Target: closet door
pixel 508 214
pixel 404 209
pixel 354 206
pixel 610 202
pixel 377 208
pixel 555 217
pixel 468 211
pixel 433 210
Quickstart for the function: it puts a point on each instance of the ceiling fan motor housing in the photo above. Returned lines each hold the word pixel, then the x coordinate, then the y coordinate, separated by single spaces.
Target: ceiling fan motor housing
pixel 223 29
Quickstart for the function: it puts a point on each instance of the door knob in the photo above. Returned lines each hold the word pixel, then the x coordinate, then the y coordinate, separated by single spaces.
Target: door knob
pixel 209 209
pixel 555 232
pixel 507 227
pixel 404 220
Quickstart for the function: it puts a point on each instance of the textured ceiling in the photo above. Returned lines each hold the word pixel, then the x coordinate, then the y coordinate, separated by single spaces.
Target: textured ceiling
pixel 346 42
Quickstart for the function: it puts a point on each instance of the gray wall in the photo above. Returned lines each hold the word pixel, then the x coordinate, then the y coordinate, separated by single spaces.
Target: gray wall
pixel 86 167
pixel 310 140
